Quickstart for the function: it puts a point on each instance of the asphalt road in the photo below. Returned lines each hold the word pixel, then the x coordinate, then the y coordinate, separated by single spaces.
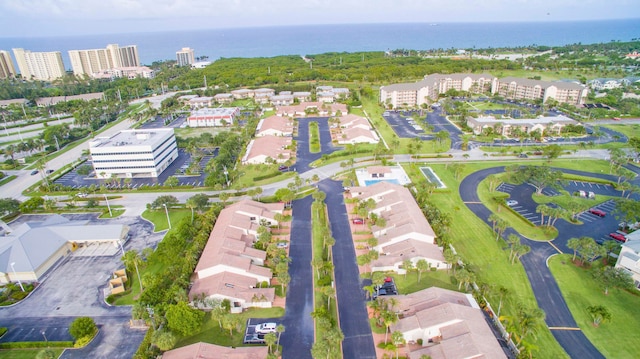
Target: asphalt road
pixel 299 326
pixel 545 287
pixel 352 310
pixel 304 156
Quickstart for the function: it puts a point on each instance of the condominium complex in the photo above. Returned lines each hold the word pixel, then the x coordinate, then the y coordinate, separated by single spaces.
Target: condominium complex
pixel 421 92
pixel 134 153
pixel 185 57
pixel 6 65
pixel 43 66
pixel 527 89
pixel 90 62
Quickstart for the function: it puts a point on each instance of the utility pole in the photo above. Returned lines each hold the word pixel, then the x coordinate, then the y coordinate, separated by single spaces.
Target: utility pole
pixel 205 82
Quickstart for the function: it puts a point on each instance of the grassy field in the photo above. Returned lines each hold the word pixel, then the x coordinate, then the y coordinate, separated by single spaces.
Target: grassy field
pixel 212 333
pixel 627 130
pixel 195 132
pixel 250 172
pixel 159 217
pixel 616 339
pixel 26 353
pixel 314 137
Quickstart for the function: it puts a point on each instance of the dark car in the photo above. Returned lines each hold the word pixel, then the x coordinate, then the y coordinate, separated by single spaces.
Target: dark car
pixel 597 212
pixel 618 237
pixel 34 172
pixel 283 168
pixel 49 172
pixel 523 155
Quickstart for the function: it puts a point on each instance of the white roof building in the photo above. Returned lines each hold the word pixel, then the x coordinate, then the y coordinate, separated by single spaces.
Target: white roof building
pixel 134 153
pixel 213 117
pixel 629 258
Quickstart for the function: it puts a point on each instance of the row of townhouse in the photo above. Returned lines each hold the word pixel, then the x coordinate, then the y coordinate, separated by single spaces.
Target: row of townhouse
pixel 449 324
pixel 275 126
pixel 629 258
pixel 352 129
pixel 506 127
pixel 213 117
pixel 229 267
pixel 406 234
pixel 269 149
pixel 202 350
pixel 427 90
pixel 305 109
pixel 50 101
pixel 609 83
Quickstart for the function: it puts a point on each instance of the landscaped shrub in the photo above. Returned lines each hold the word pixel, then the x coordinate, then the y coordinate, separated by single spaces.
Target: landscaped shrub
pixel 83 327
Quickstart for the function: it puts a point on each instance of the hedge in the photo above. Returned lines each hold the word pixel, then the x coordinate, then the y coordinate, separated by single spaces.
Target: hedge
pixel 23 345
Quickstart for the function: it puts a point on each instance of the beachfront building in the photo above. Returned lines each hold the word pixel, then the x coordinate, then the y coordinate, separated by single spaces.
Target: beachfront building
pixel 7 70
pixel 275 126
pixel 229 267
pixel 185 57
pixel 506 127
pixel 514 88
pixel 448 324
pixel 32 248
pixel 98 62
pixel 42 66
pixel 213 117
pixel 133 153
pixel 405 233
pixel 268 149
pixel 427 90
pixel 126 72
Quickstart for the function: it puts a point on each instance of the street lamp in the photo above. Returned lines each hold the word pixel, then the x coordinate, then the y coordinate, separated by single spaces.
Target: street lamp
pixel 167 212
pixel 45 338
pixel 16 275
pixel 107 200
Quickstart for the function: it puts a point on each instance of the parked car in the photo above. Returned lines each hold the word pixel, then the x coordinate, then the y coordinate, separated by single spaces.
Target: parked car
pixel 618 237
pixel 512 203
pixel 34 172
pixel 523 155
pixel 264 328
pixel 597 212
pixel 283 168
pixel 357 221
pixel 49 172
pixel 282 245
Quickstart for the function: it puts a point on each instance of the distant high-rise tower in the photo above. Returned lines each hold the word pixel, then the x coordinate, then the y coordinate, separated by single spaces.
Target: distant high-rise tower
pixel 185 56
pixel 43 66
pixel 89 62
pixel 6 65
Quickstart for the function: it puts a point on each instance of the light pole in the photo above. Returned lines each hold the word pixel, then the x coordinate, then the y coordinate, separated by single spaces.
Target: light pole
pixel 45 338
pixel 167 212
pixel 16 275
pixel 107 200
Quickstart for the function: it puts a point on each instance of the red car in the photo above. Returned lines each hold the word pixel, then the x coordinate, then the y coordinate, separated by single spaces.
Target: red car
pixel 618 237
pixel 357 221
pixel 597 212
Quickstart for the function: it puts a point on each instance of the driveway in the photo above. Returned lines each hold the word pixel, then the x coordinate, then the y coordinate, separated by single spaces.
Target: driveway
pixel 544 285
pixel 352 310
pixel 440 123
pixel 304 156
pixel 298 337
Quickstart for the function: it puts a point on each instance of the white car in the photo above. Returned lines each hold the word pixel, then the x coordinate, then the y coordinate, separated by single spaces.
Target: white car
pixel 512 203
pixel 264 328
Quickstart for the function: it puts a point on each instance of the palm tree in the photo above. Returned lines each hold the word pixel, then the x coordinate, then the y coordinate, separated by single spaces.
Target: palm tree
pixel 422 265
pixel 279 329
pixel 398 339
pixel 388 317
pixel 270 339
pixel 575 244
pixel 132 258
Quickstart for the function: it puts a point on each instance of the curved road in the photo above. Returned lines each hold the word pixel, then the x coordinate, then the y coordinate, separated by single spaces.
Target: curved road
pixel 544 286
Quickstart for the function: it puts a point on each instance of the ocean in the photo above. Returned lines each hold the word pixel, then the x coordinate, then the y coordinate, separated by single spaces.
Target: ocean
pixel 316 39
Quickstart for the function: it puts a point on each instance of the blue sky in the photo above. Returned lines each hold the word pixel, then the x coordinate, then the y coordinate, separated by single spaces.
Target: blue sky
pixel 76 17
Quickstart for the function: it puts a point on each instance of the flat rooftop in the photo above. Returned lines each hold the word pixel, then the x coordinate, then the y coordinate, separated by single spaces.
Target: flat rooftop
pixel 541 120
pixel 132 138
pixel 218 111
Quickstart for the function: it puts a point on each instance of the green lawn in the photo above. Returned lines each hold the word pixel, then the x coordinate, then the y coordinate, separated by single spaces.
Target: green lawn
pixel 195 132
pixel 314 137
pixel 616 339
pixel 25 353
pixel 627 130
pixel 212 333
pixel 159 217
pixel 410 284
pixel 250 172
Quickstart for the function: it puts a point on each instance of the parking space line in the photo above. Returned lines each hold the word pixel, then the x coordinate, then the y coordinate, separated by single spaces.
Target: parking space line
pixel 555 247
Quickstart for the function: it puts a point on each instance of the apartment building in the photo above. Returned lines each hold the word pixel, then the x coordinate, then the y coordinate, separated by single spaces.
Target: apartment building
pixel 213 117
pixel 185 57
pixel 506 127
pixel 428 89
pixel 629 258
pixel 7 70
pixel 42 66
pixel 526 89
pixel 268 149
pixel 134 153
pixel 98 61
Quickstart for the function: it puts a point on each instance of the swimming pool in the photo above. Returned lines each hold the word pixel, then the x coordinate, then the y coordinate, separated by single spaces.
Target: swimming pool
pixel 372 182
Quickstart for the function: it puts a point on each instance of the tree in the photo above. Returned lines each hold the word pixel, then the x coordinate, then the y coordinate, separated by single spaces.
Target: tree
pixel 131 260
pixel 9 206
pixel 164 340
pixel 230 322
pixel 197 202
pixel 526 322
pixel 627 210
pixel 502 293
pixel 31 204
pixel 270 339
pixel 611 277
pixel 589 250
pixel 464 278
pixel 279 329
pixel 421 265
pixel 46 354
pixel 82 327
pixel 183 319
pixel 539 177
pixel 552 152
pixel 574 243
pixel 163 200
pixel 388 317
pixel 397 338
pixel 599 314
pixel 407 264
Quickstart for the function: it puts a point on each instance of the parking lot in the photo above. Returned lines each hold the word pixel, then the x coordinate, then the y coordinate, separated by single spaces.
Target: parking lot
pixel 404 125
pixel 177 168
pixel 253 337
